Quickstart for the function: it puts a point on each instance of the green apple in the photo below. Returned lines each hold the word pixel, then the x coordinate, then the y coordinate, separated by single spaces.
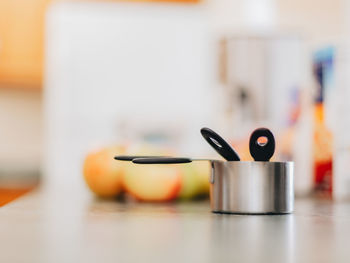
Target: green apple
pixel 195 179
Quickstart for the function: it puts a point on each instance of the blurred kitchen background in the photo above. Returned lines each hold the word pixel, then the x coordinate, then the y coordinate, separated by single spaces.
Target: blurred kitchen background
pixel 79 75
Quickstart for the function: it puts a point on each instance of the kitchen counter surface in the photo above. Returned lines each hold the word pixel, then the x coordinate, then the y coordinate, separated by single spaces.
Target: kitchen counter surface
pixel 44 227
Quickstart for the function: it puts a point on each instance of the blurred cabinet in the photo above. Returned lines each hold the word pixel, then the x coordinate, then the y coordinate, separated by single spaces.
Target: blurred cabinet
pixel 22 41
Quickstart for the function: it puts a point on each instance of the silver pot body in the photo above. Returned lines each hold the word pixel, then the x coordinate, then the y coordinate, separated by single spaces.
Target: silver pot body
pixel 252 187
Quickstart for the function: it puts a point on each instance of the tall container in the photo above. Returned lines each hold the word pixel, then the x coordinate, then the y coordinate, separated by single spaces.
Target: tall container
pixel 263 77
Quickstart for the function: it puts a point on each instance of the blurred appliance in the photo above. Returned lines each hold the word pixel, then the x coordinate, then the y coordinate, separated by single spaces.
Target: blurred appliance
pixel 117 71
pixel 263 77
pixel 261 74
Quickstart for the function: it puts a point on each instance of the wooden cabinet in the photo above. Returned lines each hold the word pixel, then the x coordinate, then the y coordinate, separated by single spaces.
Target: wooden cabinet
pixel 22 41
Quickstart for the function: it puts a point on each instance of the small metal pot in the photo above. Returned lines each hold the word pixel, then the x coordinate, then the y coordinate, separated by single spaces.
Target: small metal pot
pixel 237 187
pixel 252 187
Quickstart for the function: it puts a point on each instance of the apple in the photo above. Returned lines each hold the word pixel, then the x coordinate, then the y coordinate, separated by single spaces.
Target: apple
pixel 195 179
pixel 102 173
pixel 203 170
pixel 152 183
pixel 190 186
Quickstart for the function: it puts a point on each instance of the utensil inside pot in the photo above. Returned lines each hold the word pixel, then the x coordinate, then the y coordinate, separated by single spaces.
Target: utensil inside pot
pixel 262 144
pixel 220 145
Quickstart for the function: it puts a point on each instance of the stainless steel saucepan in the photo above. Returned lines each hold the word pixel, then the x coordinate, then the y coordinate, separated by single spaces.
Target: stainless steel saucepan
pixel 252 187
pixel 243 187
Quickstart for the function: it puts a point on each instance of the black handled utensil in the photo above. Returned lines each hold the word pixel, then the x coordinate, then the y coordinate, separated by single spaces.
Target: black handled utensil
pixel 163 160
pixel 263 149
pixel 220 145
pixel 169 160
pixel 157 159
pixel 131 157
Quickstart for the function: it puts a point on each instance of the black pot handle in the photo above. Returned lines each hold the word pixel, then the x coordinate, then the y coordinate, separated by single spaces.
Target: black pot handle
pixel 219 144
pixel 162 160
pixel 262 151
pixel 132 157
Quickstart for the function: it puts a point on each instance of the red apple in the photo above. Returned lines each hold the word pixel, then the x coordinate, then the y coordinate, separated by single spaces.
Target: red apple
pixel 153 183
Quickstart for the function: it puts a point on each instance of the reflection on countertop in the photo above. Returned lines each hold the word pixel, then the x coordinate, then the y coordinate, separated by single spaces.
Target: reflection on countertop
pixel 48 227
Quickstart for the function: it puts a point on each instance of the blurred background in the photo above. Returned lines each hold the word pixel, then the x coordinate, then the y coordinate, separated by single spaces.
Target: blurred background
pixel 79 76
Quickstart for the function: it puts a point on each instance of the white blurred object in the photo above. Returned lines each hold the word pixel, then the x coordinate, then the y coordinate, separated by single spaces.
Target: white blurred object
pixel 337 117
pixel 20 130
pixel 302 148
pixel 263 76
pixel 262 72
pixel 339 121
pixel 112 65
pixel 259 14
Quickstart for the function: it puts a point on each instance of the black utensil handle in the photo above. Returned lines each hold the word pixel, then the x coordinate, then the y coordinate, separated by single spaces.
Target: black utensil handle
pixel 132 157
pixel 219 144
pixel 262 152
pixel 162 160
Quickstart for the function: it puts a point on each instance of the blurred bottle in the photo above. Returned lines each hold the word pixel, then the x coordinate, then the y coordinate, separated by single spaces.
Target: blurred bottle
pixel 322 134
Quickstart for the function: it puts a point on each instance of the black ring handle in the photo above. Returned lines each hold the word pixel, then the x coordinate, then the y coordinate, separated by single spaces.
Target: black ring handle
pixel 132 157
pixel 162 160
pixel 219 144
pixel 262 152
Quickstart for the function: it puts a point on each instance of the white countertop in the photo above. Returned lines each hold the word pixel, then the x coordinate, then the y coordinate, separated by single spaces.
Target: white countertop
pixel 43 227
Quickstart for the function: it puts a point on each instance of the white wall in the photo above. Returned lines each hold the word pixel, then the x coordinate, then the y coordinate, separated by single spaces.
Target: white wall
pixel 113 64
pixel 320 21
pixel 20 129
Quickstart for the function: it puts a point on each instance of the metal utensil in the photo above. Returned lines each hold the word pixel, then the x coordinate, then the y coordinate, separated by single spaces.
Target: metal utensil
pixel 220 145
pixel 262 150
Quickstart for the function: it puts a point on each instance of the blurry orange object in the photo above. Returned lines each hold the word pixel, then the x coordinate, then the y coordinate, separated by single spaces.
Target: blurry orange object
pixel 22 41
pixel 102 173
pixel 179 1
pixel 8 195
pixel 323 140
